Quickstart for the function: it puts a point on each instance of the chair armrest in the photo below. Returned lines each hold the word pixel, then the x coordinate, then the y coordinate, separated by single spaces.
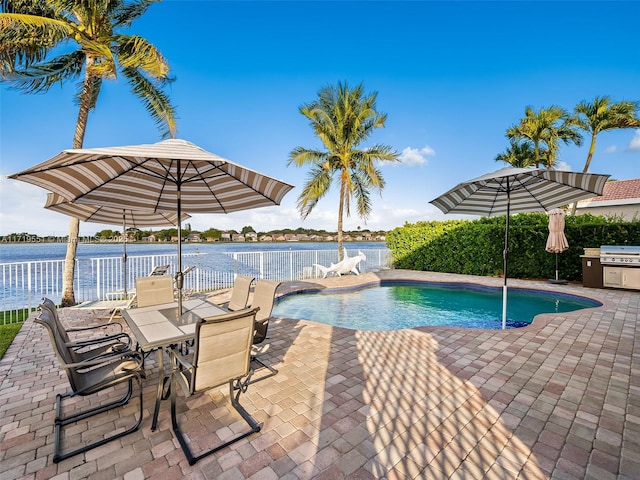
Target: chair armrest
pixel 116 351
pixel 118 337
pixel 93 327
pixel 111 357
pixel 180 361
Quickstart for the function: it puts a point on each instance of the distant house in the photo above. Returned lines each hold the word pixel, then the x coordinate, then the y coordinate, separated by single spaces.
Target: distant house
pixel 251 237
pixel 619 198
pixel 237 237
pixel 225 237
pixel 194 237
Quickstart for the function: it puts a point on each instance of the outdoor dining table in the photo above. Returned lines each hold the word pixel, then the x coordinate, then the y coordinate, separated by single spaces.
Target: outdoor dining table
pixel 157 327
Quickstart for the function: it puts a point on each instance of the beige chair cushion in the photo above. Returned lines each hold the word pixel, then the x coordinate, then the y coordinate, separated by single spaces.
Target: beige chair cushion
pixel 154 290
pixel 240 293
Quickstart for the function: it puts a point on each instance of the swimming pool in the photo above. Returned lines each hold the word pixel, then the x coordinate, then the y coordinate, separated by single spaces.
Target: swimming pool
pixel 396 305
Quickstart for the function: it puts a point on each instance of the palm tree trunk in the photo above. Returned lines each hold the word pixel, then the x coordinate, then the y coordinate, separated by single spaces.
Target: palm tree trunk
pixel 592 149
pixel 68 295
pixel 340 214
pixel 536 151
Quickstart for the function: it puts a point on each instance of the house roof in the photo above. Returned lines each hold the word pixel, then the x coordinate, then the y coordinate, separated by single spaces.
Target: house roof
pixel 616 192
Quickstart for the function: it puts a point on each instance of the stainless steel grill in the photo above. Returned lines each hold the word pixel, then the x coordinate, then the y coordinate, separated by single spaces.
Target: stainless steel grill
pixel 623 255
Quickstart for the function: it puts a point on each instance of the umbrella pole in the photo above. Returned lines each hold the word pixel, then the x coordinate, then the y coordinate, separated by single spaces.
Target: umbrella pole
pixel 557 280
pixel 179 276
pixel 505 256
pixel 124 254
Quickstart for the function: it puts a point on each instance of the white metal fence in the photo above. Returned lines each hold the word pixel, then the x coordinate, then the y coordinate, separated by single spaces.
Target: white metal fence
pixel 25 283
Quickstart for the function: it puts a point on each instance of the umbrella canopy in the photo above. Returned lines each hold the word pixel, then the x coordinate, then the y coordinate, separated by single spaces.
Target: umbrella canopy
pixel 169 176
pixel 113 216
pixel 556 241
pixel 518 190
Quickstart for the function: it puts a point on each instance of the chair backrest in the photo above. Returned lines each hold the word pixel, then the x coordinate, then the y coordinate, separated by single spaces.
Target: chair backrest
pixel 240 293
pixel 154 290
pixel 63 353
pixel 264 296
pixel 222 349
pixel 49 305
pixel 159 270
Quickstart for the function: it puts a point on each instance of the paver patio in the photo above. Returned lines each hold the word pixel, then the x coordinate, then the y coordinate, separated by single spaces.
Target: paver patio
pixel 559 399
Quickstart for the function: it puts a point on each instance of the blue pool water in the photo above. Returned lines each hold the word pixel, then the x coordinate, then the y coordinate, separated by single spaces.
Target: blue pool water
pixel 394 306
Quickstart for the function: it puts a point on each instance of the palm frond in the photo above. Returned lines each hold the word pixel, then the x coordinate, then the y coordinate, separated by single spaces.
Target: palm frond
pixel 136 52
pixel 156 102
pixel 301 156
pixel 39 78
pixel 316 187
pixel 128 12
pixel 361 193
pixel 26 40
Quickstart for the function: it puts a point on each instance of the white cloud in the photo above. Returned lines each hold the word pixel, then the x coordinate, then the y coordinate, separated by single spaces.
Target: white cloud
pixel 611 149
pixel 564 166
pixel 634 145
pixel 416 156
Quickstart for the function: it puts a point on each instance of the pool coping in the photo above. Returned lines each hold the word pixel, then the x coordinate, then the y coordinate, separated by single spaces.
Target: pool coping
pixel 372 279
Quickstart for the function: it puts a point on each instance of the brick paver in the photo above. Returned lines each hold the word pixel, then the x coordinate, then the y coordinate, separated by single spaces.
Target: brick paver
pixel 559 399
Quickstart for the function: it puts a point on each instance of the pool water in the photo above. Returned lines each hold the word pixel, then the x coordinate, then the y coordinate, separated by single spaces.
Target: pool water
pixel 394 306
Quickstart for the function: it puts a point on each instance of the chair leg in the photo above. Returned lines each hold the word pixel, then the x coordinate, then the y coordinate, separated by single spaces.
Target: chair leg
pixel 272 371
pixel 191 458
pixel 61 421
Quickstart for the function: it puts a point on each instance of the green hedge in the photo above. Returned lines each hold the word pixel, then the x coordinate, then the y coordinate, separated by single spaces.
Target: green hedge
pixel 475 246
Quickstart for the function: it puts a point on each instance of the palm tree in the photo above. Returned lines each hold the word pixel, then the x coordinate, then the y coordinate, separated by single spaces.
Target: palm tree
pixel 32 33
pixel 545 129
pixel 519 155
pixel 342 118
pixel 602 115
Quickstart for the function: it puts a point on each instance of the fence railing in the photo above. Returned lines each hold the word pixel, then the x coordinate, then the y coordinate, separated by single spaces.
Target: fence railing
pixel 25 283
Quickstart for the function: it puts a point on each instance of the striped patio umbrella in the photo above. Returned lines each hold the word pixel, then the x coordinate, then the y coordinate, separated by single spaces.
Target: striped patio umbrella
pixel 113 216
pixel 518 190
pixel 168 176
pixel 557 240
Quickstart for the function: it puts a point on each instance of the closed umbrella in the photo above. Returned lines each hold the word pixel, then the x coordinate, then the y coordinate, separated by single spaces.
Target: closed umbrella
pixel 169 176
pixel 516 190
pixel 556 241
pixel 113 216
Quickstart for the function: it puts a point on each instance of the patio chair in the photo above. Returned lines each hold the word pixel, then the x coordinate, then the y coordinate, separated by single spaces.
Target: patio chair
pixel 240 293
pixel 154 290
pixel 131 294
pixel 222 354
pixel 84 347
pixel 264 296
pixel 91 378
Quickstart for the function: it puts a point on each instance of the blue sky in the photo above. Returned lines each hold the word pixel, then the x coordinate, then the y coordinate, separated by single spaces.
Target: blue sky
pixel 451 76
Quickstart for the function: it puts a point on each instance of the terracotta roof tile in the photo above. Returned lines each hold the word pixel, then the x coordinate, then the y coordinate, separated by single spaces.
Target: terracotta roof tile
pixel 618 190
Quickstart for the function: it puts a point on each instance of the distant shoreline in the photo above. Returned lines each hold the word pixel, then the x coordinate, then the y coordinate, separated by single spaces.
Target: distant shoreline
pixel 42 241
